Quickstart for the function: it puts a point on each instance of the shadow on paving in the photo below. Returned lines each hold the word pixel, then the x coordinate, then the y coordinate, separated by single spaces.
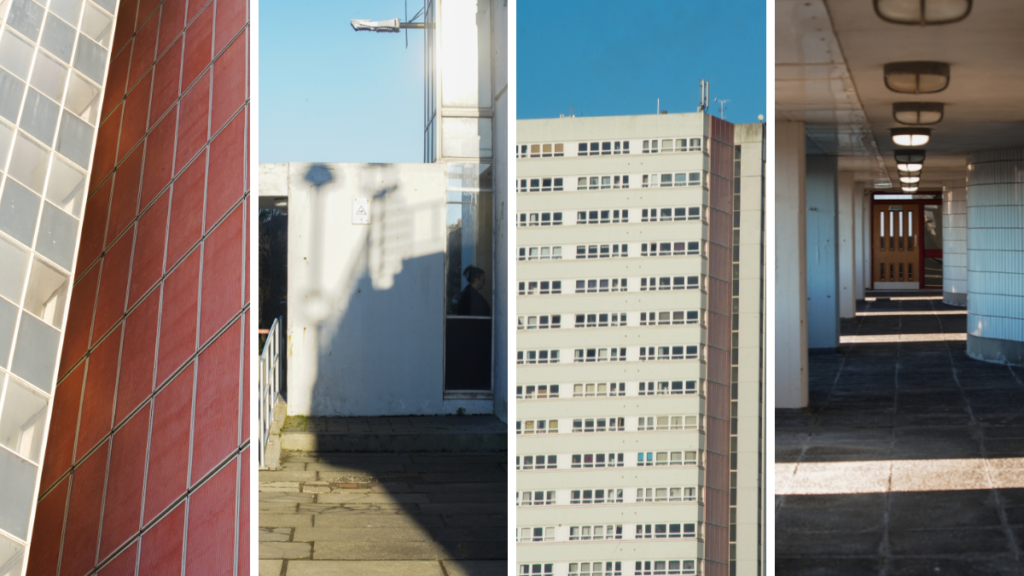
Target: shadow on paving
pixel 384 513
pixel 905 407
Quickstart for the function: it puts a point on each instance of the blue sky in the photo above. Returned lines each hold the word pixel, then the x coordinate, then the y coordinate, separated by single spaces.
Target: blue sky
pixel 329 94
pixel 608 58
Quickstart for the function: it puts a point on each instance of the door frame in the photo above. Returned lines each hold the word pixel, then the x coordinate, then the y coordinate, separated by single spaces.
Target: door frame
pixel 918 205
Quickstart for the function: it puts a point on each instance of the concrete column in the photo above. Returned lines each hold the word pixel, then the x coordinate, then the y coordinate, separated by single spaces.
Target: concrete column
pixel 954 243
pixel 995 256
pixel 790 266
pixel 859 241
pixel 822 253
pixel 847 240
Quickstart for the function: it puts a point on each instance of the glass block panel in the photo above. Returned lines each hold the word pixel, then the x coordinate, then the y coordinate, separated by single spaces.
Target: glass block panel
pixel 26 17
pixel 91 59
pixel 21 420
pixel 75 140
pixel 16 54
pixel 69 10
pixel 14 263
pixel 18 477
pixel 8 317
pixel 58 38
pixel 47 292
pixel 35 353
pixel 58 232
pixel 97 25
pixel 66 187
pixel 29 163
pixel 11 91
pixel 83 98
pixel 40 116
pixel 19 210
pixel 11 554
pixel 49 76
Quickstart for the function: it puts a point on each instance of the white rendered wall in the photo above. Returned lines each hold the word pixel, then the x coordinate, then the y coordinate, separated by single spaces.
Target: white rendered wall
pixel 790 266
pixel 954 243
pixel 995 255
pixel 845 245
pixel 859 240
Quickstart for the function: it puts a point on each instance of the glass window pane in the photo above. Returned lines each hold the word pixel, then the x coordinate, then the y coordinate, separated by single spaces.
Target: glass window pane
pixel 22 419
pixel 18 477
pixel 67 9
pixel 97 25
pixel 16 54
pixel 49 76
pixel 466 137
pixel 83 99
pixel 57 234
pixel 66 187
pixel 11 91
pixel 14 263
pixel 466 54
pixel 11 554
pixel 47 292
pixel 26 17
pixel 8 317
pixel 469 227
pixel 107 5
pixel 75 140
pixel 58 37
pixel 29 163
pixel 6 135
pixel 40 116
pixel 473 176
pixel 91 59
pixel 35 353
pixel 19 209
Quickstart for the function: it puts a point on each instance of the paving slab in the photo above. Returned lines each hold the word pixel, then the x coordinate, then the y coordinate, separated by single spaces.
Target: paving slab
pixel 365 568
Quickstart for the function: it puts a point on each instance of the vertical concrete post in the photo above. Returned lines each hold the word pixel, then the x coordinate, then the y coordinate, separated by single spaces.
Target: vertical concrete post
pixel 995 251
pixel 954 243
pixel 790 266
pixel 822 253
pixel 859 241
pixel 845 245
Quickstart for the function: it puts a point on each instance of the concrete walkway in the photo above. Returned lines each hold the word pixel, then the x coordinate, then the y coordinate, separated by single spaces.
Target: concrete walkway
pixel 910 459
pixel 395 514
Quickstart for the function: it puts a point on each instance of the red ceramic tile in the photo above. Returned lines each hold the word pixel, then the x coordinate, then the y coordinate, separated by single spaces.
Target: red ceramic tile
pixel 106 145
pixel 193 126
pixel 243 514
pixel 187 210
pixel 60 446
pixel 222 277
pixel 124 205
pixel 79 554
pixel 248 218
pixel 49 525
pixel 79 326
pixel 168 454
pixel 162 545
pixel 123 504
pixel 216 422
pixel 136 116
pixel 143 50
pixel 198 47
pixel 231 17
pixel 165 84
pixel 94 227
pixel 123 565
pixel 125 26
pixel 211 526
pixel 195 7
pixel 228 84
pixel 148 261
pixel 113 285
pixel 98 398
pixel 159 156
pixel 117 79
pixel 136 377
pixel 245 379
pixel 172 22
pixel 227 167
pixel 178 327
pixel 146 9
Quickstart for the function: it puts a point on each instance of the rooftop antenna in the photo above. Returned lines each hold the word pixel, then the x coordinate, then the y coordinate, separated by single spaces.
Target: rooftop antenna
pixel 705 88
pixel 392 25
pixel 721 104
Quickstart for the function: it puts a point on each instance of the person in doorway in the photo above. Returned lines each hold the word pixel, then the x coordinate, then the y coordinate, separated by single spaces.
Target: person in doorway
pixel 471 302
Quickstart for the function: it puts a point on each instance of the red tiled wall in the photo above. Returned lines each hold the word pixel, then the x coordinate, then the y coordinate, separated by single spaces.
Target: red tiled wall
pixel 150 420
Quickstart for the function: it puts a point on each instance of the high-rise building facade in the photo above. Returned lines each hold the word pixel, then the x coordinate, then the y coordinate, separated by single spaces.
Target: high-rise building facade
pixel 630 347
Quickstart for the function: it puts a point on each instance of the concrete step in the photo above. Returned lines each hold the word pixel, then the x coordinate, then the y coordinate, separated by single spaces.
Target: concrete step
pixel 396 434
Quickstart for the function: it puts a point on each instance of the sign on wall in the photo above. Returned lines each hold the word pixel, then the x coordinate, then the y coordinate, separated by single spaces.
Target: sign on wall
pixel 361 211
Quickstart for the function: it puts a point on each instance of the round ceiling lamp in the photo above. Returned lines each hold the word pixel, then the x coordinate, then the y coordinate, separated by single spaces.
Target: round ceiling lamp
pixel 905 156
pixel 923 12
pixel 918 113
pixel 917 77
pixel 910 179
pixel 911 136
pixel 911 168
pixel 910 188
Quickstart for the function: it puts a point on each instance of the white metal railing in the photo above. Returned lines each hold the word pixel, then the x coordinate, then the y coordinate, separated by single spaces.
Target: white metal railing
pixel 271 376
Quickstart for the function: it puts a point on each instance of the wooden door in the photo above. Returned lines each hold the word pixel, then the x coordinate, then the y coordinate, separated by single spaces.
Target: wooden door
pixel 896 246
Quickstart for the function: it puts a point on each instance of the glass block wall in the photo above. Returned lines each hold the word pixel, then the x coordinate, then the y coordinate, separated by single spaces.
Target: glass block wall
pixel 53 59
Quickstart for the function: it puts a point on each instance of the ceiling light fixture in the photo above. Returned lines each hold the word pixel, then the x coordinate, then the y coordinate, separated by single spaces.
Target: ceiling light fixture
pixel 909 167
pixel 910 179
pixel 908 156
pixel 911 136
pixel 923 12
pixel 910 188
pixel 917 113
pixel 917 77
